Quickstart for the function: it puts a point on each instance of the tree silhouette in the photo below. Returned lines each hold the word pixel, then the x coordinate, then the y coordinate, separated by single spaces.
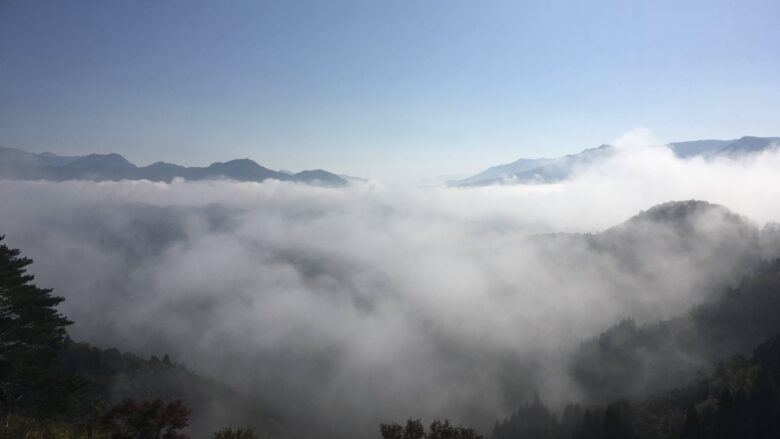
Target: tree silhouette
pixel 146 420
pixel 438 430
pixel 615 424
pixel 229 433
pixel 31 330
pixel 692 427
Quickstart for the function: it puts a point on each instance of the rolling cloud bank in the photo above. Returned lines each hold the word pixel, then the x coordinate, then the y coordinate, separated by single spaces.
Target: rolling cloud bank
pixel 344 307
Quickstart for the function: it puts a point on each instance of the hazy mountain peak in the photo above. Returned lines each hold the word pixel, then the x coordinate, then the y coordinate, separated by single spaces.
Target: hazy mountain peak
pixel 112 160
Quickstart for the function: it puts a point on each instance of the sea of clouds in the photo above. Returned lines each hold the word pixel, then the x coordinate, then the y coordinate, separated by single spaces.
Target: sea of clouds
pixel 345 307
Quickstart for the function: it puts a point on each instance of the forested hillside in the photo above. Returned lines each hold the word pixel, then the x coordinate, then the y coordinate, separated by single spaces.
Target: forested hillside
pixel 629 360
pixel 652 381
pixel 740 399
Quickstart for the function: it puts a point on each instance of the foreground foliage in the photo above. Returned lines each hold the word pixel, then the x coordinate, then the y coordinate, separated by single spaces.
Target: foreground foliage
pixel 127 420
pixel 146 419
pixel 229 433
pixel 437 430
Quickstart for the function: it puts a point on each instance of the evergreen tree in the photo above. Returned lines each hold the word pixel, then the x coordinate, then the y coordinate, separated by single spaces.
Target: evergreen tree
pixel 31 330
pixel 615 424
pixel 438 430
pixel 760 406
pixel 591 425
pixel 443 430
pixel 724 417
pixel 571 420
pixel 240 433
pixel 691 427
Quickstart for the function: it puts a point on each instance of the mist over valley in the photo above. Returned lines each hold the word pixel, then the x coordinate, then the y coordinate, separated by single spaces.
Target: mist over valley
pixel 372 302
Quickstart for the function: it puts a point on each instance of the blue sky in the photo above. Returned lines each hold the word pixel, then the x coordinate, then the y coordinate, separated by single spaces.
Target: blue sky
pixel 389 89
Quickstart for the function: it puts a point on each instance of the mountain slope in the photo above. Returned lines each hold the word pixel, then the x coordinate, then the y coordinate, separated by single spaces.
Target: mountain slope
pixel 500 172
pixel 696 148
pixel 537 170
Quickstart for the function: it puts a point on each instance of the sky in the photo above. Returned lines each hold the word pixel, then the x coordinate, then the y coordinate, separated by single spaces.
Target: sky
pixel 392 90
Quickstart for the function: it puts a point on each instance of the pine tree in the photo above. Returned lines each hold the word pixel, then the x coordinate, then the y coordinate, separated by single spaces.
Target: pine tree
pixel 615 425
pixel 724 417
pixel 438 430
pixel 761 404
pixel 691 428
pixel 31 330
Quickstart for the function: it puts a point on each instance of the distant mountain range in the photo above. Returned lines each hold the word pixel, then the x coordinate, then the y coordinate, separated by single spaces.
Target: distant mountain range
pixel 16 164
pixel 550 170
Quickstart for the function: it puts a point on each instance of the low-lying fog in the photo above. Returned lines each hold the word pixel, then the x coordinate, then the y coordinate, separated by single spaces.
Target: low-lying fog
pixel 346 307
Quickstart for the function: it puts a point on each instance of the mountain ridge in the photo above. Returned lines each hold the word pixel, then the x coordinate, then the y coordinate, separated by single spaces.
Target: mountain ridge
pixel 551 170
pixel 17 164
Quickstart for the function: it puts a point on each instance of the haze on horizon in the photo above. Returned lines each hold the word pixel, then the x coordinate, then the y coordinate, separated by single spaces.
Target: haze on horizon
pixel 395 91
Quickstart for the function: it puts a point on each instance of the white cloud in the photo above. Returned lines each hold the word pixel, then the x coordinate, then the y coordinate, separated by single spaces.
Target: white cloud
pixel 373 301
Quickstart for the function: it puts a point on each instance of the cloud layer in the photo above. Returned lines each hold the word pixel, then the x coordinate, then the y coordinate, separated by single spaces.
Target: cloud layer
pixel 346 307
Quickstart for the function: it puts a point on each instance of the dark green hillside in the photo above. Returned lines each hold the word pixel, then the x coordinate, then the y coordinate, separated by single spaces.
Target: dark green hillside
pixel 739 399
pixel 633 361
